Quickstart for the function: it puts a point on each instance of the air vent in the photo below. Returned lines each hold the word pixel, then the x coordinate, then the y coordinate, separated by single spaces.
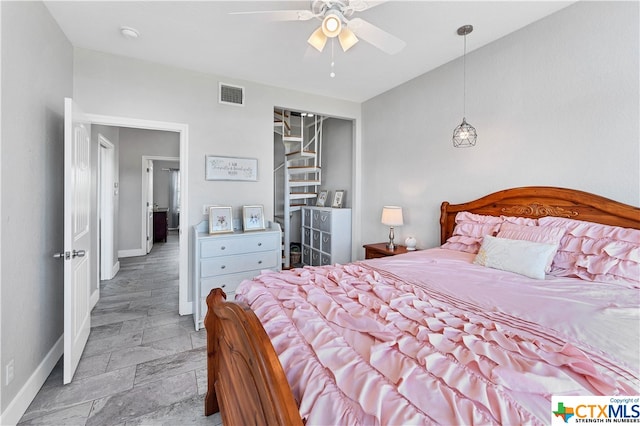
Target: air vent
pixel 231 95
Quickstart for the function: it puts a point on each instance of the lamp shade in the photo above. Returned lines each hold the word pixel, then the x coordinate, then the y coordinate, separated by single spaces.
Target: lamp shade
pixel 318 39
pixel 392 216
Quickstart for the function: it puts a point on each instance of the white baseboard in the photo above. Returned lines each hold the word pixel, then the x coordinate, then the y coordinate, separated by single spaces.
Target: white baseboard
pixel 132 253
pixel 18 406
pixel 95 296
pixel 185 308
pixel 116 268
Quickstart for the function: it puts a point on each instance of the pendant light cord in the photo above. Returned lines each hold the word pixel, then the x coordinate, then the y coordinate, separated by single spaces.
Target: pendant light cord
pixel 464 78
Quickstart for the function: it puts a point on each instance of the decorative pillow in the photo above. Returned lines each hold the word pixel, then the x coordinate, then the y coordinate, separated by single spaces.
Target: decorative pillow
pixel 596 252
pixel 522 257
pixel 536 234
pixel 469 230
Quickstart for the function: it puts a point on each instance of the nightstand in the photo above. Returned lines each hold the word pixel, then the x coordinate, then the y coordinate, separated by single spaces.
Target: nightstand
pixel 372 251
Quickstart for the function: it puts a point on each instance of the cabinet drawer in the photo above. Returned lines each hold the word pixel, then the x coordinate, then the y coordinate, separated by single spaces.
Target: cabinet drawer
pixel 324 222
pixel 238 263
pixel 226 246
pixel 306 255
pixel 325 240
pixel 315 258
pixel 306 236
pixel 306 217
pixel 315 239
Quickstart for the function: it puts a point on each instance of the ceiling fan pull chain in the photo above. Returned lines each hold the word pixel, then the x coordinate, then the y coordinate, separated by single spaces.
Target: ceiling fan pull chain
pixel 332 74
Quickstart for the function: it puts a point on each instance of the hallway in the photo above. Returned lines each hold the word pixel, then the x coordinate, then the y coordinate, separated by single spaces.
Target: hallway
pixel 143 363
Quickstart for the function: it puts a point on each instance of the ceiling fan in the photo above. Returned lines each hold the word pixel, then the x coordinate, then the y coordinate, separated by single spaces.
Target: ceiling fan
pixel 337 21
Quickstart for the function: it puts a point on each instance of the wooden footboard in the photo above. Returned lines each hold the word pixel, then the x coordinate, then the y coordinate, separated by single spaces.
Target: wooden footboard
pixel 246 382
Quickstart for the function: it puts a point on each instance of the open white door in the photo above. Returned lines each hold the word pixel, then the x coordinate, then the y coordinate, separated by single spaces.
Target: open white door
pixel 149 205
pixel 77 237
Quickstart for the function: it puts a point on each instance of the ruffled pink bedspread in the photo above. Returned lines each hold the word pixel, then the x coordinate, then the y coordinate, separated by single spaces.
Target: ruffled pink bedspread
pixel 430 338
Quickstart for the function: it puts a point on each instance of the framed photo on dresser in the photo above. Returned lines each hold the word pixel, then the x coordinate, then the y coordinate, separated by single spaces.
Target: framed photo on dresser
pixel 253 218
pixel 338 199
pixel 220 220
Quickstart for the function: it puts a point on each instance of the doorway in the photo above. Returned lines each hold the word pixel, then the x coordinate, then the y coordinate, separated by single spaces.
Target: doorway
pixel 185 307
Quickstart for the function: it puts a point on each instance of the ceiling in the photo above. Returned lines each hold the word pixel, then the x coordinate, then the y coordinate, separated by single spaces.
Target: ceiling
pixel 203 36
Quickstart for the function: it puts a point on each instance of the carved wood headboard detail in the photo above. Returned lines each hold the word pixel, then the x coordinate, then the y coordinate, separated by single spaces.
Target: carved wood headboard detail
pixel 540 201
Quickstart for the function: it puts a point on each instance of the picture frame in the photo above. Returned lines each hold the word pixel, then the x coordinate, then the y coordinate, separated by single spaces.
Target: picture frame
pixel 338 199
pixel 321 201
pixel 253 218
pixel 220 219
pixel 231 168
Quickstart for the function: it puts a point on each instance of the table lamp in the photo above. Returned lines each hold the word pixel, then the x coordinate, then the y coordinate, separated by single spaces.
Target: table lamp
pixel 391 216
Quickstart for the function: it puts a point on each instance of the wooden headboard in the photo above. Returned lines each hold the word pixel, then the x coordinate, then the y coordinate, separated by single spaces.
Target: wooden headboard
pixel 540 201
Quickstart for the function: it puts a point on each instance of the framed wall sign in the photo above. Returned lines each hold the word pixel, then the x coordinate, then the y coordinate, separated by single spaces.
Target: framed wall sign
pixel 231 168
pixel 220 220
pixel 252 218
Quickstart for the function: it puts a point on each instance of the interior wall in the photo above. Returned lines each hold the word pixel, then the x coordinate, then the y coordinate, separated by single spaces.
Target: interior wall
pixel 134 144
pixel 337 158
pixel 37 74
pixel 555 103
pixel 118 86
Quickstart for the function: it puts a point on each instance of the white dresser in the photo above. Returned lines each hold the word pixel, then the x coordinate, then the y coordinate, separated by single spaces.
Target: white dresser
pixel 225 260
pixel 326 236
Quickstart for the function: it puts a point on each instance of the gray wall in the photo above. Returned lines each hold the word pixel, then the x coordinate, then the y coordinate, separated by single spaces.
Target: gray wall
pixel 134 144
pixel 118 86
pixel 337 158
pixel 555 103
pixel 37 74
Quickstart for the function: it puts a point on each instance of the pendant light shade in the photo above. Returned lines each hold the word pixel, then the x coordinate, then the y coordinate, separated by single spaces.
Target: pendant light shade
pixel 465 134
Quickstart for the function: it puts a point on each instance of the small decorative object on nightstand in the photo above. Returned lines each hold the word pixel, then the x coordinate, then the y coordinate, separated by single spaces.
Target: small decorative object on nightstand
pixel 391 216
pixel 410 243
pixel 373 251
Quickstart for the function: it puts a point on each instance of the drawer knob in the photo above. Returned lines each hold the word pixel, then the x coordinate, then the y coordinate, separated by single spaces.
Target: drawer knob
pixel 259 244
pixel 223 285
pixel 222 267
pixel 259 262
pixel 222 248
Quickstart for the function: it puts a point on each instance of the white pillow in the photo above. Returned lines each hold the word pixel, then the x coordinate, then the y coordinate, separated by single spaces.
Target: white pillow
pixel 522 257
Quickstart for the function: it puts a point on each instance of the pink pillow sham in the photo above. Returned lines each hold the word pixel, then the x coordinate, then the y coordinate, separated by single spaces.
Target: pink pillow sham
pixel 596 252
pixel 469 230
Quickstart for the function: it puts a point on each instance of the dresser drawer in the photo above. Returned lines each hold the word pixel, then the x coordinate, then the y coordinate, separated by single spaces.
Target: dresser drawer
pixel 238 263
pixel 228 283
pixel 228 246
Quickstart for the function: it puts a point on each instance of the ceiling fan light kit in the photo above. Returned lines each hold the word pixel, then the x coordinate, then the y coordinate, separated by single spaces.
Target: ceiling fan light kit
pixel 337 20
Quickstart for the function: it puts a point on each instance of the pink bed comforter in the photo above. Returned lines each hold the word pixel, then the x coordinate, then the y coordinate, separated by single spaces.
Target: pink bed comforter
pixel 430 338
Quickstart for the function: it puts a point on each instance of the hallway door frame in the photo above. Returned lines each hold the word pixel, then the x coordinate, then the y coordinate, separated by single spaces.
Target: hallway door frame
pixel 185 306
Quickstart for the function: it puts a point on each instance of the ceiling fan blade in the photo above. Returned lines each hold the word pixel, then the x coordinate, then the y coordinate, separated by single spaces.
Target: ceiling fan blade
pixel 281 15
pixel 379 38
pixel 362 5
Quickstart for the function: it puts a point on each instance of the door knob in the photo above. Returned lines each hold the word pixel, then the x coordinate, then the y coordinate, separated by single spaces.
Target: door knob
pixel 62 255
pixel 78 253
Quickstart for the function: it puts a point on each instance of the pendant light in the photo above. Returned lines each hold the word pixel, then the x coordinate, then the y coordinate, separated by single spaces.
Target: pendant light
pixel 464 135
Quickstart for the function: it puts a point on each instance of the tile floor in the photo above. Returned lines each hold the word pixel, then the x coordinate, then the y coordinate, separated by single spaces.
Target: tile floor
pixel 143 364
